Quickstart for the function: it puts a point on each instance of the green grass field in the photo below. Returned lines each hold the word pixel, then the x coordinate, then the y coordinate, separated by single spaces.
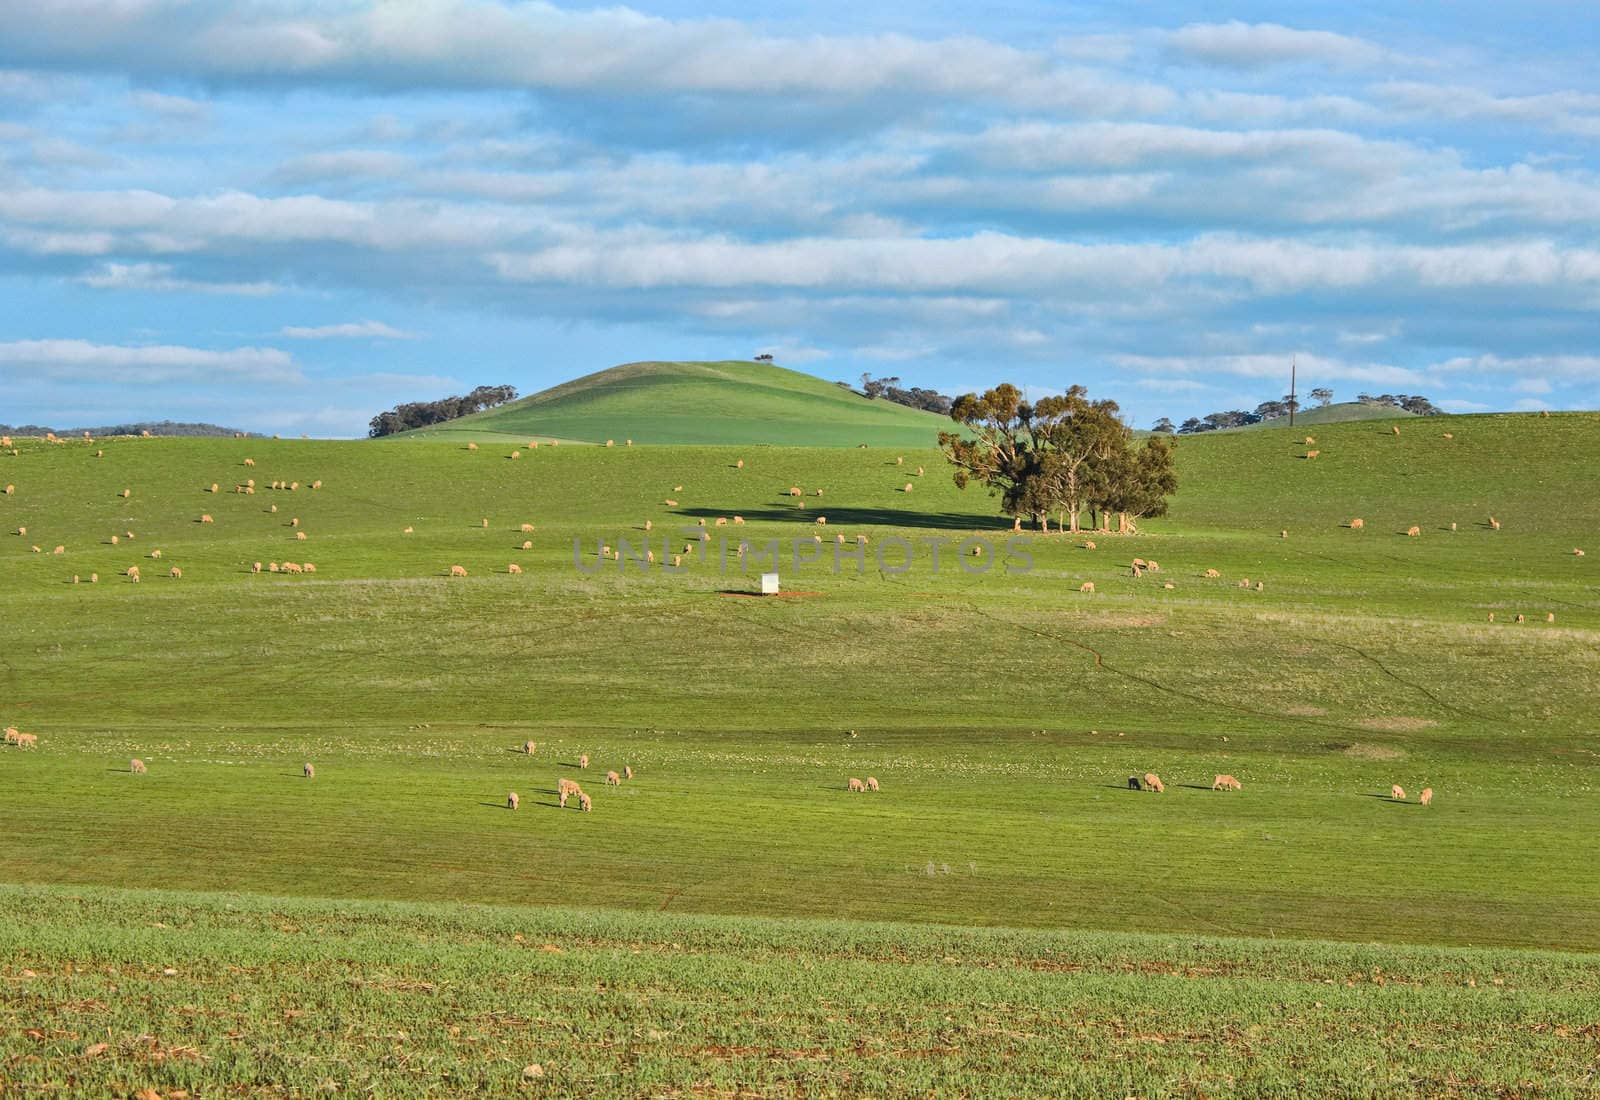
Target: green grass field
pixel 734 402
pixel 1002 711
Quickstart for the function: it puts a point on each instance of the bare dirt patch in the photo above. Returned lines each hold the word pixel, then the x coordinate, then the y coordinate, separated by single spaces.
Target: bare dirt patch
pixel 1373 752
pixel 1396 724
pixel 1306 712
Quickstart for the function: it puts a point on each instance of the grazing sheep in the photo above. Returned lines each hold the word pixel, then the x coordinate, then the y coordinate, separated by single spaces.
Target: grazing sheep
pixel 583 760
pixel 1089 544
pixel 513 568
pixel 300 536
pixel 317 484
pixel 1550 617
pixel 1357 524
pixel 292 567
pixel 153 553
pixel 206 519
pixel 738 521
pixel 739 465
pixel 175 573
pixel 794 491
pixel 484 523
pixel 59 550
pixel 677 488
pixel 512 800
pixel 1576 552
pixel 126 493
pixel 213 487
pixel 1398 793
pixel 677 561
pixel 527 544
pixel 1213 574
pixel 1139 563
pixel 822 521
pixel 1449 435
pixel 1169 584
pixel 1494 524
pixel 1520 619
pixel 1153 565
pixel 1491 616
pixel 22 531
pixel 611 443
pixel 907 488
pixel 613 779
pixel 584 802
pixel 627 772
pixel 1413 532
pixel 1283 534
pixel 1310 442
pixel 94 578
pixel 37 550
pixel 862 539
pixel 567 786
pixel 472 446
pixel 255 568
pixel 137 767
pixel 1259 586
pixel 12 734
pixel 1426 797
pixel 272 567
pixel 839 539
pixel 249 462
pixel 1395 429
pixel 309 771
pixel 516 454
pixel 1226 783
pixel 527 528
pixel 1452 525
pixel 1086 586
pixel 74 578
pixel 1313 454
pixel 1134 784
pixel 977 550
pixel 133 573
pixel 529 747
pixel 722 521
pixel 1152 781
pixel 627 442
pixel 650 524
pixel 872 784
pixel 856 785
pixel 309 568
pixel 294 521
pixel 407 531
pixel 670 503
pixel 458 571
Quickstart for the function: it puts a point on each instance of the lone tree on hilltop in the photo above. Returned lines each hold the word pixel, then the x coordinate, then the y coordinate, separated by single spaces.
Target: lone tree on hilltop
pixel 1322 396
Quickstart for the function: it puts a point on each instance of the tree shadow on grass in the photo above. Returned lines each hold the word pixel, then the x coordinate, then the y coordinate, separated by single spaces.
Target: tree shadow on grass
pixel 878 517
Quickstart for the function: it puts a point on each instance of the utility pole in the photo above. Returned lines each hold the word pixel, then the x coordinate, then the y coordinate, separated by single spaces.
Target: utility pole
pixel 1293 401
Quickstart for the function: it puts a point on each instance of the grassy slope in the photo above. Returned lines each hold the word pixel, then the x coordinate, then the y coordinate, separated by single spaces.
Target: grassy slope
pixel 229 995
pixel 1001 711
pixel 699 403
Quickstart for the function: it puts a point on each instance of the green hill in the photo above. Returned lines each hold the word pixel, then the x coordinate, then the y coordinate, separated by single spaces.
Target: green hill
pixel 1342 413
pixel 732 402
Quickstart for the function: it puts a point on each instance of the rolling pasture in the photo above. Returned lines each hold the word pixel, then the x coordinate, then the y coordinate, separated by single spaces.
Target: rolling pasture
pixel 1002 711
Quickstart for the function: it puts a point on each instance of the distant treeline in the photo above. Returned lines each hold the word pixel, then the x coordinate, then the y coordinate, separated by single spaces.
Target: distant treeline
pixel 916 397
pixel 1274 410
pixel 420 414
pixel 154 427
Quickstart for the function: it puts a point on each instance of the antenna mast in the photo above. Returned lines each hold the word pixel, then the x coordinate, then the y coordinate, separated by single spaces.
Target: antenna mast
pixel 1293 401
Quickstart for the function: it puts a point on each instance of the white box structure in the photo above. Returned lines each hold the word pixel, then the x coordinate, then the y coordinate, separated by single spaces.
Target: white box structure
pixel 769 584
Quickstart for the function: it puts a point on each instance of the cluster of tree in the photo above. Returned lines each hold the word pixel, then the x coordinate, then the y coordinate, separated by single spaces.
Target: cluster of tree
pixel 916 397
pixel 1410 402
pixel 1273 410
pixel 1065 456
pixel 420 414
pixel 154 427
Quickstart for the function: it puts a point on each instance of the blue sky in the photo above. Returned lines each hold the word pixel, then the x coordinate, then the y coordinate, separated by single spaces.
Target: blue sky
pixel 289 216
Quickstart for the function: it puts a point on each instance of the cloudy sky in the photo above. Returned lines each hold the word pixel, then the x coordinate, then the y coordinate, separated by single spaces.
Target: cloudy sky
pixel 286 216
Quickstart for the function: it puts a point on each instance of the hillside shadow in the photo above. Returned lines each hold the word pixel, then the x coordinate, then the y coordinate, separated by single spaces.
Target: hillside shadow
pixel 878 517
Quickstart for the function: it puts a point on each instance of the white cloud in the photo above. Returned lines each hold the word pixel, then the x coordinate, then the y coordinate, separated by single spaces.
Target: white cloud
pixel 83 361
pixel 1272 366
pixel 157 276
pixel 174 107
pixel 1255 45
pixel 452 44
pixel 1572 367
pixel 372 330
